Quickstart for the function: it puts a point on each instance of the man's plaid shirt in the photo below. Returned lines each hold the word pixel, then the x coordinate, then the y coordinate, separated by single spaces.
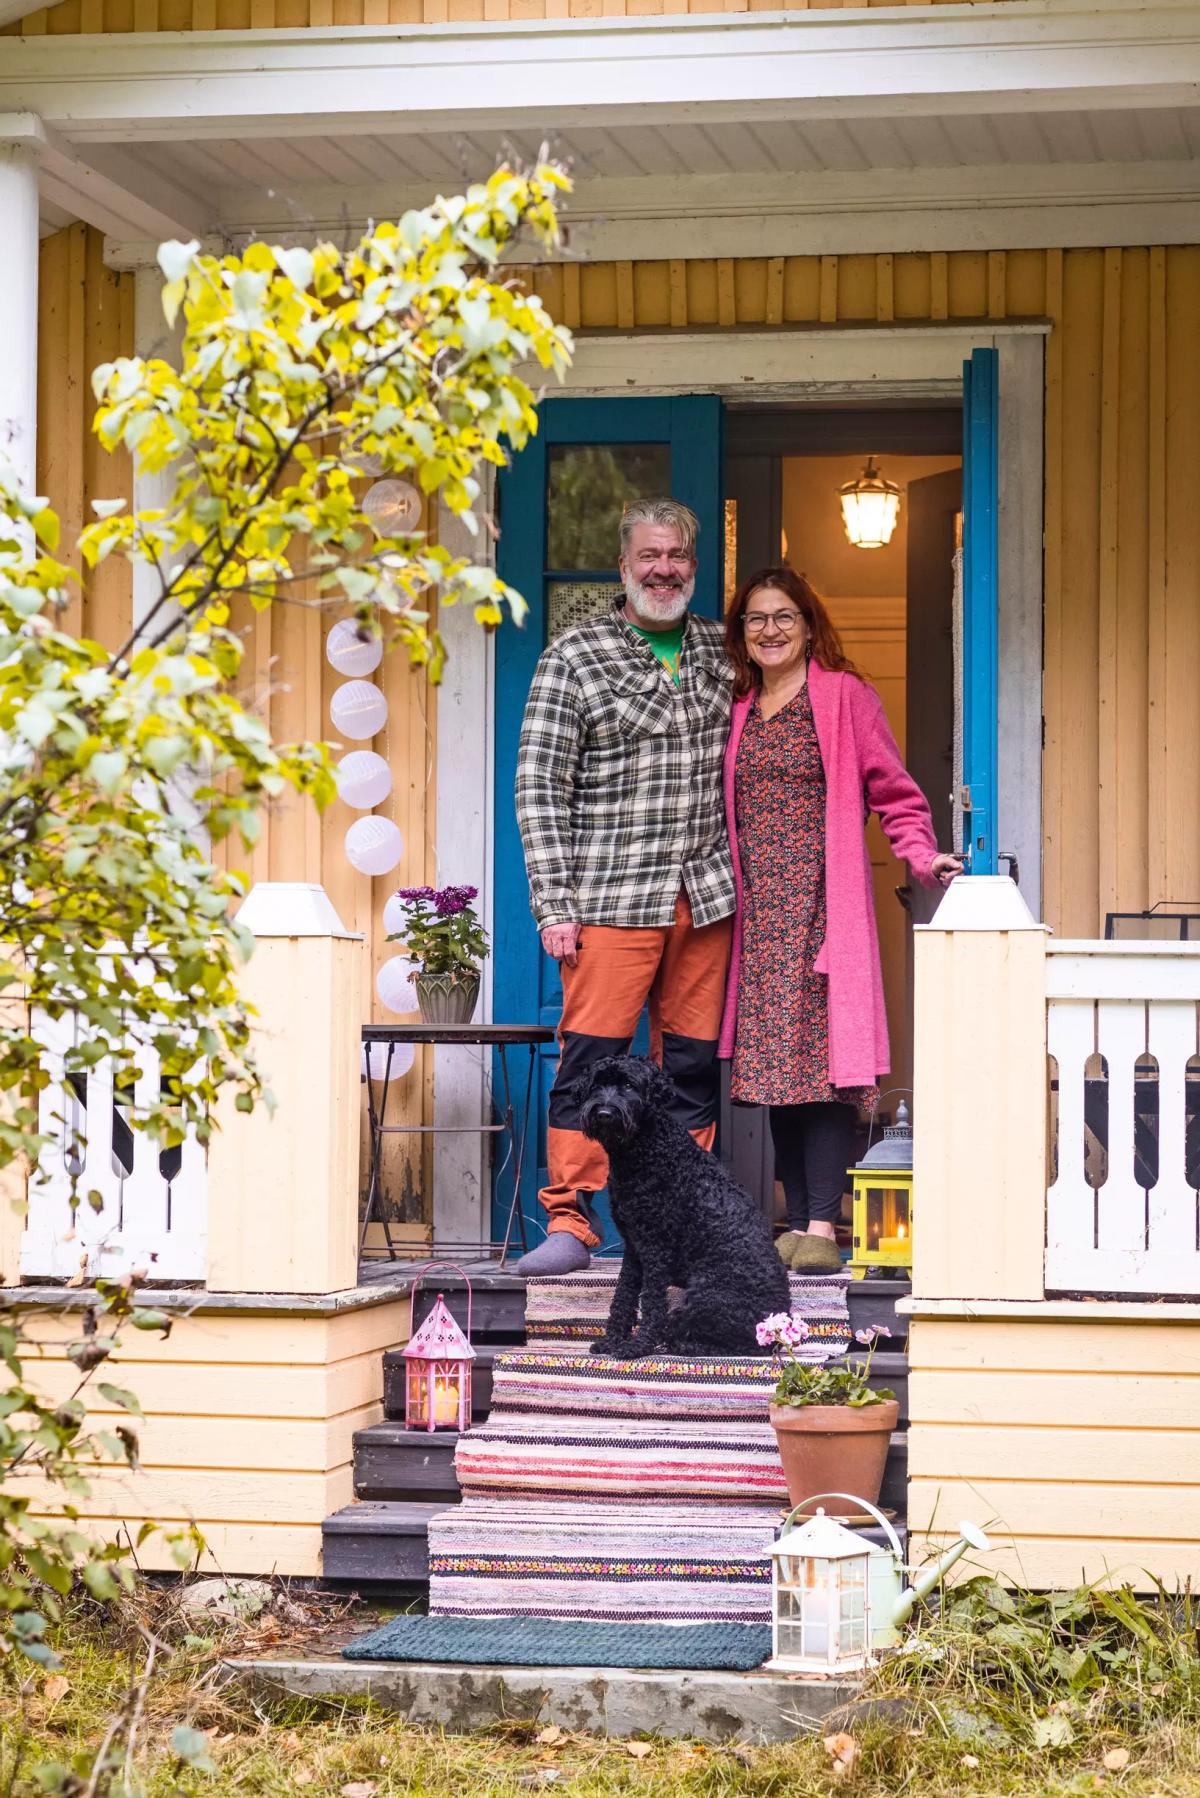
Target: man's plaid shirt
pixel 619 796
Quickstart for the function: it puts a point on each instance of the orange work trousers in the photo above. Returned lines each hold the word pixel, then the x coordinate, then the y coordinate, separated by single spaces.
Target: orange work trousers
pixel 680 969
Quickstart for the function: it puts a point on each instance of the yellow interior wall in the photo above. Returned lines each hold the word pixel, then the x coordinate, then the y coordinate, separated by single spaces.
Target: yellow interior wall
pixel 73 16
pixel 1121 784
pixel 1071 1442
pixel 248 1430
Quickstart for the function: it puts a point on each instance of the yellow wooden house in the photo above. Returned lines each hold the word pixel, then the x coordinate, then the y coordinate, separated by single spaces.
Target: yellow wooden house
pixel 963 239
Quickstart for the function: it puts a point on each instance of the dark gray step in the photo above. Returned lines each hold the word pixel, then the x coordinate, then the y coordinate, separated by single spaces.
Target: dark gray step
pixel 481 1380
pixel 391 1462
pixel 872 1303
pixel 378 1545
pixel 497 1305
pixel 888 1370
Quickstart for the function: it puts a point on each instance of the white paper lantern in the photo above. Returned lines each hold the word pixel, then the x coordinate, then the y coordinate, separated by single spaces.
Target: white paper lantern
pixel 393 507
pixel 395 921
pixel 358 710
pixel 375 1059
pixel 393 985
pixel 363 779
pixel 374 845
pixel 351 653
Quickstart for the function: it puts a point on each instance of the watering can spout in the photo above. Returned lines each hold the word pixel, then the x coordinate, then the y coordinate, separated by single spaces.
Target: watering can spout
pixel 969 1536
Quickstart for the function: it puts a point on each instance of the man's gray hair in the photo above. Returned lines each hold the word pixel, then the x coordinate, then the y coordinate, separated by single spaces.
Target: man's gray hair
pixel 660 511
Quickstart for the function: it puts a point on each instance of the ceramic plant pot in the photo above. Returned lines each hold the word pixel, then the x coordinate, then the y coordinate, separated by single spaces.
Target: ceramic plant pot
pixel 447 998
pixel 834 1448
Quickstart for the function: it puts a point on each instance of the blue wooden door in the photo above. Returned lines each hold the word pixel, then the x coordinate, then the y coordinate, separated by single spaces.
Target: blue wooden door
pixel 560 506
pixel 980 648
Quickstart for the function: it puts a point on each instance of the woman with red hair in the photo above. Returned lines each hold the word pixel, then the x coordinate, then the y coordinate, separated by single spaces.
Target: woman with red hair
pixel 810 754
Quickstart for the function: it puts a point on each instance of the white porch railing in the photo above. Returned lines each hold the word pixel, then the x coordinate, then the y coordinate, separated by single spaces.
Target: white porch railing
pixel 153 1203
pixel 1123 1034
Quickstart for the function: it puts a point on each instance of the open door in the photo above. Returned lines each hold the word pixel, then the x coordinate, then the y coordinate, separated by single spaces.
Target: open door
pixel 560 507
pixel 980 653
pixel 934 514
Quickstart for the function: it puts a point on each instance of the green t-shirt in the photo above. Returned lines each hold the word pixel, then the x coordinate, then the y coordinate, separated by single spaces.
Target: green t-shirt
pixel 666 645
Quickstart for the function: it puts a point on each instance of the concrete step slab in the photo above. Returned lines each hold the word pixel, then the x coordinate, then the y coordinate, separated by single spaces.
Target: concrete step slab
pixel 705 1707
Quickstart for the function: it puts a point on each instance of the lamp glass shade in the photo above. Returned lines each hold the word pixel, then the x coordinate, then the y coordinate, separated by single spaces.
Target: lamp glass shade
pixel 375 1063
pixel 393 507
pixel 374 845
pixel 352 650
pixel 870 508
pixel 393 984
pixel 364 779
pixel 358 710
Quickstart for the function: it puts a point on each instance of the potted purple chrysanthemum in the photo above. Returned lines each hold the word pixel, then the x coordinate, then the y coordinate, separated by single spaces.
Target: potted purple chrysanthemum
pixel 448 945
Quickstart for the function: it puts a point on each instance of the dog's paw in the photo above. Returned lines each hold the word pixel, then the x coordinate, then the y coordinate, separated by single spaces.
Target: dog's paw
pixel 606 1345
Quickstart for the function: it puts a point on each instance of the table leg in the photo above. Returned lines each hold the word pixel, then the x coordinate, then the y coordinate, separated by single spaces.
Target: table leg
pixel 517 1146
pixel 375 1119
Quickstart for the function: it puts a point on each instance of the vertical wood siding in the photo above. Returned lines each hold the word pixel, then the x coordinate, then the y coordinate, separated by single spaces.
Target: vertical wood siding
pixel 72 16
pixel 1122 627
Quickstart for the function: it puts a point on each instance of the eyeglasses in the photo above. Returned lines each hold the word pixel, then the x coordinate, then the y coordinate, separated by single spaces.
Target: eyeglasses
pixel 755 623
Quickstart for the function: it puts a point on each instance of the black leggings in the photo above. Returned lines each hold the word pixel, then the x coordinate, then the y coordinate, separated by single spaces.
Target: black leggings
pixel 813 1148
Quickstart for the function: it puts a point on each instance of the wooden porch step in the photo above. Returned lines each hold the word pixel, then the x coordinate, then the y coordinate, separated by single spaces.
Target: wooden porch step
pixel 497 1305
pixel 379 1546
pixel 891 1370
pixel 394 1464
pixel 873 1302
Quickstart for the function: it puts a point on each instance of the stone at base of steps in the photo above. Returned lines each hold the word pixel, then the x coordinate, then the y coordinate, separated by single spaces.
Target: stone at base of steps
pixel 706 1707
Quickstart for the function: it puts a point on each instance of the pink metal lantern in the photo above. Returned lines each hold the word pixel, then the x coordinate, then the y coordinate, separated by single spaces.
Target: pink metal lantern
pixel 438 1361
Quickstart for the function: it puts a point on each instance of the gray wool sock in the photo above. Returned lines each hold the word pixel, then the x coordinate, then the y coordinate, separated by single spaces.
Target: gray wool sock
pixel 561 1253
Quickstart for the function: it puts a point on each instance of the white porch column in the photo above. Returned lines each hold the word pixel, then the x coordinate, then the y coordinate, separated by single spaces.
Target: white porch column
pixel 20 138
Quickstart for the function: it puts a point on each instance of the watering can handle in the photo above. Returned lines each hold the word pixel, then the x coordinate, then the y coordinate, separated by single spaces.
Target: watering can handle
pixel 420 1275
pixel 854 1500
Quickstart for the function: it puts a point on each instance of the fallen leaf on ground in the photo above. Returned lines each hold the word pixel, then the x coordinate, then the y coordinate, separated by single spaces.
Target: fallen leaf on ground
pixel 1116 1760
pixel 969 1760
pixel 843 1752
pixel 56 1687
pixel 303 1776
pixel 639 1750
pixel 360 1788
pixel 550 1735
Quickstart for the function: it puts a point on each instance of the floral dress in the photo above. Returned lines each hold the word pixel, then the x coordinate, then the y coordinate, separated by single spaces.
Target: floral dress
pixel 781 1056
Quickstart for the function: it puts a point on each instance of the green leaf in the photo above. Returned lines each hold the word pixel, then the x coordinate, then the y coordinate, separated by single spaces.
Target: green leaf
pixel 98 1579
pixel 191 1745
pixel 119 1395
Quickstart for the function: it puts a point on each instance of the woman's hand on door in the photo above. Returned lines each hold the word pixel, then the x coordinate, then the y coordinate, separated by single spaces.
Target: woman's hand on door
pixel 945 868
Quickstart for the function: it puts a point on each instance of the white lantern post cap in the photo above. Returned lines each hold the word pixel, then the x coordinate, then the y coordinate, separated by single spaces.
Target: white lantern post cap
pixel 982 902
pixel 291 908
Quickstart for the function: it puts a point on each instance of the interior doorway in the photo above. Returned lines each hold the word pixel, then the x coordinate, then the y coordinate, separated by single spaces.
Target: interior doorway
pixel 897 608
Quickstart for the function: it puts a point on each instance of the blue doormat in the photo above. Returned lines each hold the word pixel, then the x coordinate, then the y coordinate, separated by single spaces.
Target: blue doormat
pixel 559 1642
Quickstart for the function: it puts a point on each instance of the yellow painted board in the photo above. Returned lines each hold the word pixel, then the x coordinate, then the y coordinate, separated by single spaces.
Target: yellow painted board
pixel 1085 1400
pixel 1060 1563
pixel 233 1337
pixel 224 1495
pixel 1081 1347
pixel 1052 1451
pixel 1073 1508
pixel 262 1444
pixel 231 1390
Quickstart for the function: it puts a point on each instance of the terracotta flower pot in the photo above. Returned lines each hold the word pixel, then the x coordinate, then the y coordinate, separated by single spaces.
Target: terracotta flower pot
pixel 834 1448
pixel 447 998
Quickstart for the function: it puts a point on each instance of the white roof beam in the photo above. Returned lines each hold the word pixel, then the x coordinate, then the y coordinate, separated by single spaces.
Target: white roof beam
pixel 125 198
pixel 1042 56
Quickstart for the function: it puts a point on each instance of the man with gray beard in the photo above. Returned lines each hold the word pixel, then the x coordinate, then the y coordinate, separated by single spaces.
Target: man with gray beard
pixel 622 819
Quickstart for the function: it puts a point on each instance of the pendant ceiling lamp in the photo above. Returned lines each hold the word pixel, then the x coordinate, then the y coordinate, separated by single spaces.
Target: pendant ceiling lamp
pixel 870 508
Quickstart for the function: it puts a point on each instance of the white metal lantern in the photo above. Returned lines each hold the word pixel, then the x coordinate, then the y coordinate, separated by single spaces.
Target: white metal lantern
pixel 363 778
pixel 837 1599
pixel 820 1621
pixel 374 845
pixel 870 508
pixel 358 710
pixel 351 649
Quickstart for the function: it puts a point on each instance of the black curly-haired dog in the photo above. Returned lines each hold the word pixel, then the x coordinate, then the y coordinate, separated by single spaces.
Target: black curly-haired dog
pixel 683 1221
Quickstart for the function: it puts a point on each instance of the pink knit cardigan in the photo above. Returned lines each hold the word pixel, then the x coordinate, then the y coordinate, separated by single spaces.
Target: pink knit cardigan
pixel 863 773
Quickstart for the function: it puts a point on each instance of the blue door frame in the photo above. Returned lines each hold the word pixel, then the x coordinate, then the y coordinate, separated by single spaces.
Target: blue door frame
pixel 691 425
pixel 980 649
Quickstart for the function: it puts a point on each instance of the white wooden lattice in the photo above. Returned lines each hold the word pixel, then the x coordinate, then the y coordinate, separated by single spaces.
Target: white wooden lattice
pixel 1137 1231
pixel 154 1213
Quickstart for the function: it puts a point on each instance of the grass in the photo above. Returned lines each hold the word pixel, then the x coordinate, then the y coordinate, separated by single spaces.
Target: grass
pixel 1002 1693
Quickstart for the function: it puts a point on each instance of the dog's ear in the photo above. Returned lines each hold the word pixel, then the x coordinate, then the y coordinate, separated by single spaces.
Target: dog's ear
pixel 650 1080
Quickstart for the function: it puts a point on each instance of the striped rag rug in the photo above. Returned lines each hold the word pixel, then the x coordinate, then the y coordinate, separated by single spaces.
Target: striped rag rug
pixel 612 1563
pixel 572 1309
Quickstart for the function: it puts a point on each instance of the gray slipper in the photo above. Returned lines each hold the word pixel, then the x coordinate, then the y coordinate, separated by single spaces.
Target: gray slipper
pixel 785 1245
pixel 561 1253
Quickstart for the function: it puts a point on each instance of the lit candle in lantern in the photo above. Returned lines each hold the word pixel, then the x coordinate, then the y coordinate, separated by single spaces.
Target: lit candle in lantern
pixel 816 1619
pixel 445 1401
